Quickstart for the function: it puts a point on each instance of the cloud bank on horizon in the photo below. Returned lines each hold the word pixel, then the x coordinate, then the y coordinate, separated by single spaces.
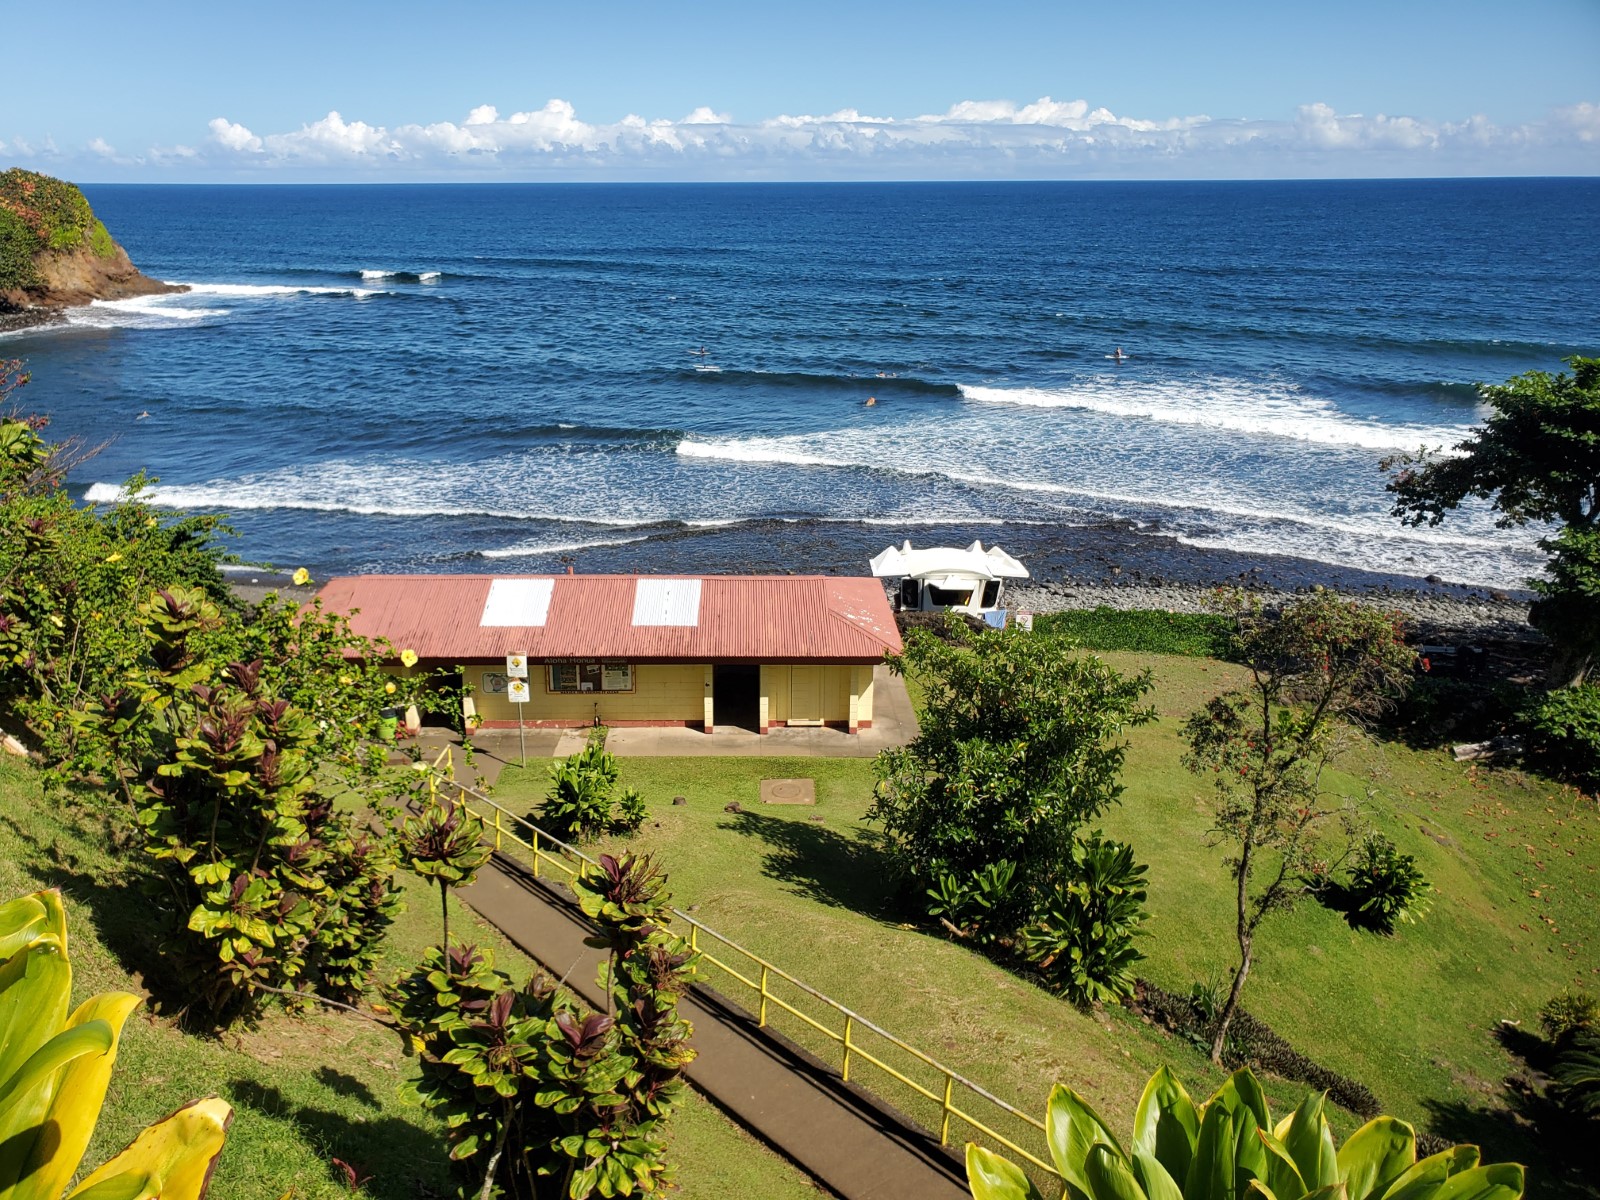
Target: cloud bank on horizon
pixel 1046 139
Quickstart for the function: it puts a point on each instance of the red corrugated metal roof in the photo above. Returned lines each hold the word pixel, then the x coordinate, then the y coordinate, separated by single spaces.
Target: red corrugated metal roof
pixel 768 618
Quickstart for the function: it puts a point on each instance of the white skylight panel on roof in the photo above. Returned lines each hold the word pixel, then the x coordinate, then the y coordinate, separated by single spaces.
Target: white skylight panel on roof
pixel 517 602
pixel 666 602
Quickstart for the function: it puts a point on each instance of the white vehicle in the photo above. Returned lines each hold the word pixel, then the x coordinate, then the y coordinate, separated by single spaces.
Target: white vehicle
pixel 944 578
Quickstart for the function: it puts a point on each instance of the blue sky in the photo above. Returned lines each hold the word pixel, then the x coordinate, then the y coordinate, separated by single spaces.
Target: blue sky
pixel 178 91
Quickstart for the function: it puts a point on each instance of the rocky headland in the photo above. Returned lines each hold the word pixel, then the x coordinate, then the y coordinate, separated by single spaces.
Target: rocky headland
pixel 56 254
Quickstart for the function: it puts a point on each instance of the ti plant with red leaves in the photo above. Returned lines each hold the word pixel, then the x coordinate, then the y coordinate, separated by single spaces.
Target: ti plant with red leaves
pixel 542 1097
pixel 263 884
pixel 444 842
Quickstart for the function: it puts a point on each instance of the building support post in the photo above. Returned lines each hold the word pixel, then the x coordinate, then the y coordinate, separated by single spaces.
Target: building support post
pixel 710 722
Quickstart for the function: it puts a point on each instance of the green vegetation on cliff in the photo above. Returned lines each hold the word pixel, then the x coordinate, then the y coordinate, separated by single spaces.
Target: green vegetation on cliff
pixel 38 212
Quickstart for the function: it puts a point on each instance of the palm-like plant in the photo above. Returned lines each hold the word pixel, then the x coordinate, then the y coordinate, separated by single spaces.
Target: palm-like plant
pixel 1230 1146
pixel 55 1067
pixel 1577 1074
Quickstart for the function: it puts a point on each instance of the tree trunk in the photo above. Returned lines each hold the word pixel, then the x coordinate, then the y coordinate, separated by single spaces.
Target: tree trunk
pixel 1568 668
pixel 1244 932
pixel 1232 1006
pixel 444 907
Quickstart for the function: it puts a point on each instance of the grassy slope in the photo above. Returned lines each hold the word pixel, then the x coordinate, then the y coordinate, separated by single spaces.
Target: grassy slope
pixel 306 1090
pixel 1412 1016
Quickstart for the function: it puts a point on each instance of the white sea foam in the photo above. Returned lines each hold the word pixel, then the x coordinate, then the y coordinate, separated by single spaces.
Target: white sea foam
pixel 527 549
pixel 379 274
pixel 250 290
pixel 1234 405
pixel 140 312
pixel 429 277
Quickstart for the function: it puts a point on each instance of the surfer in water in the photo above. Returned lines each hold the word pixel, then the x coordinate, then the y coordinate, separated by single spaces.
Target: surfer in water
pixel 871 402
pixel 1119 355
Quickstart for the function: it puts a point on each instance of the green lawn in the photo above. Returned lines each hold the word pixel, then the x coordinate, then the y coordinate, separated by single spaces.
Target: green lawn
pixel 1414 1017
pixel 305 1090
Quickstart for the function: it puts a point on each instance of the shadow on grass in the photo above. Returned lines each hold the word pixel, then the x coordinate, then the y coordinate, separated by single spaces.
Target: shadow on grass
pixel 110 884
pixel 397 1159
pixel 841 870
pixel 1526 1128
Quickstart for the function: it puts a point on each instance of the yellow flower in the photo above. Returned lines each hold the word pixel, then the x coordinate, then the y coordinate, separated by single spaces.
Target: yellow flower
pixel 302 577
pixel 149 522
pixel 114 556
pixel 388 689
pixel 345 679
pixel 408 658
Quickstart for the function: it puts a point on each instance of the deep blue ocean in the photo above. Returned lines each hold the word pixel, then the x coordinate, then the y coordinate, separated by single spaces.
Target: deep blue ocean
pixel 509 378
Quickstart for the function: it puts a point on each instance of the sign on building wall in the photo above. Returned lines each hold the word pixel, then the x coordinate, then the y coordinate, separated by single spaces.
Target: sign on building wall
pixel 517 691
pixel 516 666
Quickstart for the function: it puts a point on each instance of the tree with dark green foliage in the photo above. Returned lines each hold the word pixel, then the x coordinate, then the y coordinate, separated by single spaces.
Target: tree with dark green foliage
pixel 39 212
pixel 1319 665
pixel 1535 459
pixel 1018 747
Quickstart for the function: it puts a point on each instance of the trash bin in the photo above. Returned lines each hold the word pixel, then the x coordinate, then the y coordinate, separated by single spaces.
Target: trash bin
pixel 388 723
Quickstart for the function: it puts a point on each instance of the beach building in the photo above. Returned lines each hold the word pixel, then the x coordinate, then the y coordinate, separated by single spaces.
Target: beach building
pixel 748 651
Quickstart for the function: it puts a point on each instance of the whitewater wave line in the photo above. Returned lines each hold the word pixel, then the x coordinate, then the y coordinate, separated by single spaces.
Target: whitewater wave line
pixel 1257 415
pixel 748 453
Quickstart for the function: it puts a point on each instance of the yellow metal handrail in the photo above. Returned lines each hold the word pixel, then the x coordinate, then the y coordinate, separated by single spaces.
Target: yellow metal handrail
pixel 759 980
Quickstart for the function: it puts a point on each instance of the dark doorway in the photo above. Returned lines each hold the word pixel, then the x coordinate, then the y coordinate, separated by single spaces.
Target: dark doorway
pixel 736 695
pixel 447 688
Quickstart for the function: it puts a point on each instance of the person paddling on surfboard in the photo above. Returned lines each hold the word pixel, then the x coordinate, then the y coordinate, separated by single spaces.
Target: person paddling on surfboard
pixel 1119 355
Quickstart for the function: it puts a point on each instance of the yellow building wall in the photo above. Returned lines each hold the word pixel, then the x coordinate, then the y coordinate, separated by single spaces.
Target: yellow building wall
pixel 839 683
pixel 662 692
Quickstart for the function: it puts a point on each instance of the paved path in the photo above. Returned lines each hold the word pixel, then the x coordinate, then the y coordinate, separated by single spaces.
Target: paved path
pixel 850 1142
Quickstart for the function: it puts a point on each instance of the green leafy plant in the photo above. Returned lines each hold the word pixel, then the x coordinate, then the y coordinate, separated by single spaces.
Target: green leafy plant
pixel 1017 748
pixel 1568 1013
pixel 265 885
pixel 1082 939
pixel 444 842
pixel 1562 733
pixel 55 1069
pixel 1317 667
pixel 1386 886
pixel 580 803
pixel 1231 1146
pixel 1576 1074
pixel 1148 631
pixel 982 907
pixel 541 1096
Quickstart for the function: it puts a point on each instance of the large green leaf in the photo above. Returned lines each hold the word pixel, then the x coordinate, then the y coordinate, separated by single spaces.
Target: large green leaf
pixel 171 1160
pixel 1211 1171
pixel 989 1177
pixel 1155 1179
pixel 25 1097
pixel 1420 1180
pixel 1310 1143
pixel 1166 1124
pixel 1283 1176
pixel 28 917
pixel 1071 1127
pixel 35 984
pixel 63 1134
pixel 1109 1175
pixel 1375 1155
pixel 1496 1181
pixel 1242 1091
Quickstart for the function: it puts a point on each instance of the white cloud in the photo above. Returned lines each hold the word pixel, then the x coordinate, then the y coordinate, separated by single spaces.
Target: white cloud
pixel 103 148
pixel 1046 138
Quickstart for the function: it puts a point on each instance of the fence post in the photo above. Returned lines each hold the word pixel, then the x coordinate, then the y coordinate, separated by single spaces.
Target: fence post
pixel 497 829
pixel 944 1124
pixel 849 1024
pixel 761 1018
pixel 535 830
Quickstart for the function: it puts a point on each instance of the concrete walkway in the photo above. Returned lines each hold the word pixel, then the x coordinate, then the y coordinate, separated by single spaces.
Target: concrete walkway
pixel 850 1142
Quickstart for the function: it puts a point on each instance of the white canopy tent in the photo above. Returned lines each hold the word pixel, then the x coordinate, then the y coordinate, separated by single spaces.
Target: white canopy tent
pixel 972 562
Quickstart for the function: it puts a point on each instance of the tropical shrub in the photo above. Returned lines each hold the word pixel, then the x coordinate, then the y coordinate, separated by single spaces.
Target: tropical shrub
pixel 580 804
pixel 1576 1074
pixel 1562 734
pixel 1568 1013
pixel 1082 938
pixel 543 1097
pixel 55 1068
pixel 982 907
pixel 263 885
pixel 1385 886
pixel 1230 1145
pixel 1017 748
